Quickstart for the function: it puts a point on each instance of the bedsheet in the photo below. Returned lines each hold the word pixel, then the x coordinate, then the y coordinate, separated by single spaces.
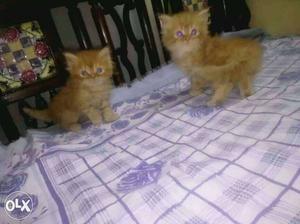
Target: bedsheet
pixel 171 159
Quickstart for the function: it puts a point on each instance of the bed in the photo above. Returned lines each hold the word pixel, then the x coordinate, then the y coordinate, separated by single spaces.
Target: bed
pixel 171 159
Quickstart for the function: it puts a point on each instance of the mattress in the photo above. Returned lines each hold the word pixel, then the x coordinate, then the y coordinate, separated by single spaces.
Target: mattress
pixel 170 158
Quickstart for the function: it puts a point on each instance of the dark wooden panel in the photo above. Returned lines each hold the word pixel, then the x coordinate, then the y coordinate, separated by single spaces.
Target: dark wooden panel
pixel 237 14
pixel 147 34
pixel 33 89
pixel 143 45
pixel 105 38
pixel 29 121
pixel 99 21
pixel 79 26
pixel 7 123
pixel 165 7
pixel 138 44
pixel 124 30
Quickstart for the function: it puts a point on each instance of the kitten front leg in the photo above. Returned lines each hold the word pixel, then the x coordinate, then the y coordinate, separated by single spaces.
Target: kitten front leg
pixel 108 114
pixel 245 87
pixel 220 94
pixel 68 120
pixel 196 86
pixel 72 127
pixel 93 115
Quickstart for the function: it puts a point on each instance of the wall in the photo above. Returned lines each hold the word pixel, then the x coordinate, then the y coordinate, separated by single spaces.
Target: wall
pixel 276 17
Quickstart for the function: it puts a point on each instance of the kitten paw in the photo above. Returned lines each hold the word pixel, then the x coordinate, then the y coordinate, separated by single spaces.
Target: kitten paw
pixel 247 94
pixel 96 121
pixel 109 117
pixel 194 92
pixel 74 127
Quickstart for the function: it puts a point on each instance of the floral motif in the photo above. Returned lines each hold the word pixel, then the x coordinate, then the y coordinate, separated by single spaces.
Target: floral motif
pixel 12 183
pixel 169 98
pixel 28 76
pixel 129 109
pixel 48 144
pixel 41 49
pixel 97 131
pixel 134 100
pixel 289 76
pixel 138 115
pixel 155 96
pixel 120 124
pixel 118 104
pixel 144 174
pixel 200 111
pixel 11 34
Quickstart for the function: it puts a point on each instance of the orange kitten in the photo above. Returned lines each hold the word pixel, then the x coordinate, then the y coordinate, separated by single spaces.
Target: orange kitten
pixel 221 63
pixel 87 91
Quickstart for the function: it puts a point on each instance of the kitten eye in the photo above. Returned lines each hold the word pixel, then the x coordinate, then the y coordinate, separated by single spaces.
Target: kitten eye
pixel 194 32
pixel 179 34
pixel 84 73
pixel 99 70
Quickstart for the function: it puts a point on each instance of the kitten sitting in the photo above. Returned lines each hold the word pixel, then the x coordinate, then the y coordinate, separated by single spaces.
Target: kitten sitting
pixel 86 92
pixel 221 63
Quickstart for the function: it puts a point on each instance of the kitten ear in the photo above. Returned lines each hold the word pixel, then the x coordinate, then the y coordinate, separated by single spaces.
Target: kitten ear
pixel 104 52
pixel 71 59
pixel 164 19
pixel 204 14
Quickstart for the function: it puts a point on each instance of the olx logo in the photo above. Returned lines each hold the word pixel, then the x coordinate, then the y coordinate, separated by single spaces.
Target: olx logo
pixel 18 205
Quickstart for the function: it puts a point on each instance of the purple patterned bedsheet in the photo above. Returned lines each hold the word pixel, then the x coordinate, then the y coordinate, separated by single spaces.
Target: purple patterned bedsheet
pixel 171 159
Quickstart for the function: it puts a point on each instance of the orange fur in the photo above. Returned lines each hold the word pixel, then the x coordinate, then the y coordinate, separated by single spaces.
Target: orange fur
pixel 86 93
pixel 221 63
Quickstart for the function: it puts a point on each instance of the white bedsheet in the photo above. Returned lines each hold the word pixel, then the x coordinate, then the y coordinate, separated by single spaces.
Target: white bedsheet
pixel 171 159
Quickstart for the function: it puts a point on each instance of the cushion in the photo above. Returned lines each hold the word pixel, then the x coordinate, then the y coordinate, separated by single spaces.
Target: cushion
pixel 24 56
pixel 194 5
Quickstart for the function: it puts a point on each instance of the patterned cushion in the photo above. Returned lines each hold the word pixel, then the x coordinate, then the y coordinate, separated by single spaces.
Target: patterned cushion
pixel 194 5
pixel 24 56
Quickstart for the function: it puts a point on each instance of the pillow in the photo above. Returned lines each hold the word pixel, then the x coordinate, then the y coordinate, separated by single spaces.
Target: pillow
pixel 194 5
pixel 276 17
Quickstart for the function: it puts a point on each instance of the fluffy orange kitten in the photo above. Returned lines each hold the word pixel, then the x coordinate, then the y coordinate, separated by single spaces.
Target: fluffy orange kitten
pixel 221 63
pixel 87 91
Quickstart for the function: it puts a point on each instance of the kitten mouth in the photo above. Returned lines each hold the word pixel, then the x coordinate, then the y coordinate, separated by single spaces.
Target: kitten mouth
pixel 99 77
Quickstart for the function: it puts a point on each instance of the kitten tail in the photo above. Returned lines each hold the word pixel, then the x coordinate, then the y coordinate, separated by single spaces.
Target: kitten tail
pixel 38 114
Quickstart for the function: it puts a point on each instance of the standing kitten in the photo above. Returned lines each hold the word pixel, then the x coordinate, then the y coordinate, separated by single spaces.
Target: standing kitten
pixel 86 92
pixel 221 63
